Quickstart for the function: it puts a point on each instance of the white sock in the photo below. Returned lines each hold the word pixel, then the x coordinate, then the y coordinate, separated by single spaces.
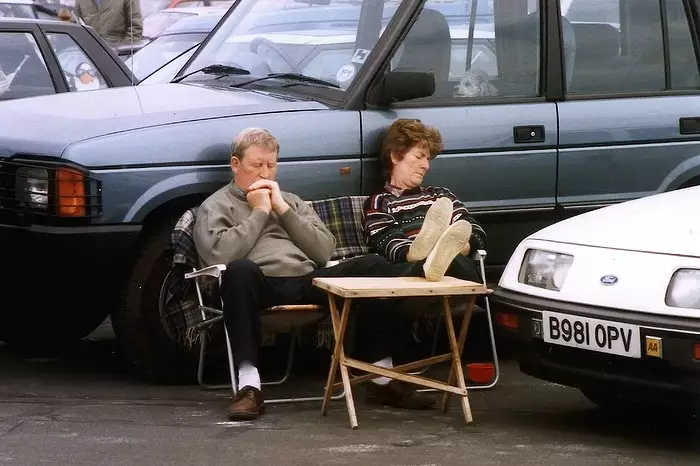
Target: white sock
pixel 386 363
pixel 248 375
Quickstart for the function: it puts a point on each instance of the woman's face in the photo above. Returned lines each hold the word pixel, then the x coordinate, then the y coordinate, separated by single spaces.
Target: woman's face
pixel 409 171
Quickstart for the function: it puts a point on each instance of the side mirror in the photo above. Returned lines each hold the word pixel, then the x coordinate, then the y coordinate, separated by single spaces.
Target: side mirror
pixel 402 84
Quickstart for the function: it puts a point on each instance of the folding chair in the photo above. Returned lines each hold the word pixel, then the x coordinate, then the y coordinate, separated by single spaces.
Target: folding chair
pixel 339 214
pixel 211 316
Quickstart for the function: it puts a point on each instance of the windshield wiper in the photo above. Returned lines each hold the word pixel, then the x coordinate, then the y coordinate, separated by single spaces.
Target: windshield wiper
pixel 219 70
pixel 301 78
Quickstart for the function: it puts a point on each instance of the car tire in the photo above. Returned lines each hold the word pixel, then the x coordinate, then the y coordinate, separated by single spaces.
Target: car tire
pixel 142 336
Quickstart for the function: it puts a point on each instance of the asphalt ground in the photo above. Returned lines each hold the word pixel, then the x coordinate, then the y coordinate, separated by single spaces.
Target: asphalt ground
pixel 81 406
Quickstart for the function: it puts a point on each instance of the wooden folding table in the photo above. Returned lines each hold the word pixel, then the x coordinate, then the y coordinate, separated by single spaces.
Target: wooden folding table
pixel 350 288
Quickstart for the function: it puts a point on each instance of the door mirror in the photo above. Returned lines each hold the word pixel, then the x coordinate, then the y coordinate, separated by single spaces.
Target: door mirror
pixel 402 84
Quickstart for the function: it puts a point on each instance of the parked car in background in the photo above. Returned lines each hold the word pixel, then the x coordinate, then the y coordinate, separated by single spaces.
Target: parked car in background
pixel 26 9
pixel 609 301
pixel 177 39
pixel 558 130
pixel 202 3
pixel 155 24
pixel 158 22
pixel 40 57
pixel 150 7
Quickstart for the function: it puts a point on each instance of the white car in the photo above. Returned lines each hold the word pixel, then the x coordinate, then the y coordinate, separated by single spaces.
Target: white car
pixel 609 301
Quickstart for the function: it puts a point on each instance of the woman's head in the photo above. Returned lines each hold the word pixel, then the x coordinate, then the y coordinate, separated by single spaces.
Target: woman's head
pixel 406 151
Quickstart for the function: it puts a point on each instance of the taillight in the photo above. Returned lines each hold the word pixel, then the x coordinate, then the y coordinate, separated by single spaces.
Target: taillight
pixel 507 320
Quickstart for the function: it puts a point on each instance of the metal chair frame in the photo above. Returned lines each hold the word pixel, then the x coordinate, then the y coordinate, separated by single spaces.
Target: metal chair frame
pixel 211 316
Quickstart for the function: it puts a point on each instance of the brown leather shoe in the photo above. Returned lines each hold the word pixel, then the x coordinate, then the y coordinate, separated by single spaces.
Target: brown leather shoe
pixel 398 395
pixel 246 405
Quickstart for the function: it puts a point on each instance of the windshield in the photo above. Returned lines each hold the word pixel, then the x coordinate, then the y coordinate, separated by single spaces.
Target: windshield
pixel 14 10
pixel 325 42
pixel 161 51
pixel 159 22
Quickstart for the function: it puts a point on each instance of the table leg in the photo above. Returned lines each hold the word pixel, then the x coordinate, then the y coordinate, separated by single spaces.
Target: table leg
pixel 466 320
pixel 456 352
pixel 339 326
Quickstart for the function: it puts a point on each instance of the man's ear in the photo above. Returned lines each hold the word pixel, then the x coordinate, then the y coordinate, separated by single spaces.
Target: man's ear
pixel 235 163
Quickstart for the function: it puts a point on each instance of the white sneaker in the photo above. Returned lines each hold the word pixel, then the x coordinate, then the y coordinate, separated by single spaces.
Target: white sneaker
pixel 450 243
pixel 437 219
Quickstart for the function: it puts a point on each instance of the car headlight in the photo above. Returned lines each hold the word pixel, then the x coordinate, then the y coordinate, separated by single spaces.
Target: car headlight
pixel 32 187
pixel 545 269
pixel 54 191
pixel 684 289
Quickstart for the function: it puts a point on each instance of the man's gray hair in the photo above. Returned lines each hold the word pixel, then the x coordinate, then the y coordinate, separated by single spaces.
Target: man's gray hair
pixel 249 137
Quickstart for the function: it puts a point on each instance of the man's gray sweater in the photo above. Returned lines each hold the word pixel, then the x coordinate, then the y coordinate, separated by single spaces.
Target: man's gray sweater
pixel 290 245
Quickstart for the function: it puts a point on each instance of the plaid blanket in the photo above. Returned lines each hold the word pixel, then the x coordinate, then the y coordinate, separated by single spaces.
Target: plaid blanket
pixel 342 216
pixel 181 308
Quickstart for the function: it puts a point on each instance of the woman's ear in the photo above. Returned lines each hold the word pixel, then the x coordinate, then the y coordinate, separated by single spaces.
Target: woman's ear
pixel 395 159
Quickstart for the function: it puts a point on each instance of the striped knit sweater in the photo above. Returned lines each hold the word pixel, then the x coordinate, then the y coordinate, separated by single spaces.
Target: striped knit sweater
pixel 392 219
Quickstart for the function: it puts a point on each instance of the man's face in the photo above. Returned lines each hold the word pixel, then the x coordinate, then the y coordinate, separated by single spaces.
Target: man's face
pixel 258 163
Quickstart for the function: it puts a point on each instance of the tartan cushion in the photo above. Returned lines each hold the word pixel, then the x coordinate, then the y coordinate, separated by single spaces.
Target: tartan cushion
pixel 343 217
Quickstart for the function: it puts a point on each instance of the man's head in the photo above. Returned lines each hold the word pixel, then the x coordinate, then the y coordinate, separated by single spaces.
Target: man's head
pixel 65 15
pixel 254 157
pixel 406 151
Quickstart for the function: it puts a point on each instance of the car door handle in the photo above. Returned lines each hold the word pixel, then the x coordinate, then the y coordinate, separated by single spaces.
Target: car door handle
pixel 690 125
pixel 528 134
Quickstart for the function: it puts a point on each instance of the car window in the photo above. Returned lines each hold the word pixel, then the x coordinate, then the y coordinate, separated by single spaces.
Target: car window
pixel 468 59
pixel 326 63
pixel 160 51
pixel 80 72
pixel 620 47
pixel 14 10
pixel 23 71
pixel 683 62
pixel 301 31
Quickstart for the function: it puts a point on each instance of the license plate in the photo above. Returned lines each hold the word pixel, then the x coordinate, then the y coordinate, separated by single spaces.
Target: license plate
pixel 604 336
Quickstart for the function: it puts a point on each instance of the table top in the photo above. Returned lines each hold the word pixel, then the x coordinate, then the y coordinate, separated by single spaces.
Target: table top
pixel 381 287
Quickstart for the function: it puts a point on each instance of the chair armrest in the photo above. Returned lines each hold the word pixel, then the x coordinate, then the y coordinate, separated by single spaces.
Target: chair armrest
pixel 211 271
pixel 479 254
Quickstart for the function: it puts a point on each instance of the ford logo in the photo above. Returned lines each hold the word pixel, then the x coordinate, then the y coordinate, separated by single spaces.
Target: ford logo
pixel 608 279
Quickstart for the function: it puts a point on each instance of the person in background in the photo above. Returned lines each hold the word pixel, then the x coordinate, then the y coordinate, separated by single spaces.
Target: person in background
pixel 118 22
pixel 64 14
